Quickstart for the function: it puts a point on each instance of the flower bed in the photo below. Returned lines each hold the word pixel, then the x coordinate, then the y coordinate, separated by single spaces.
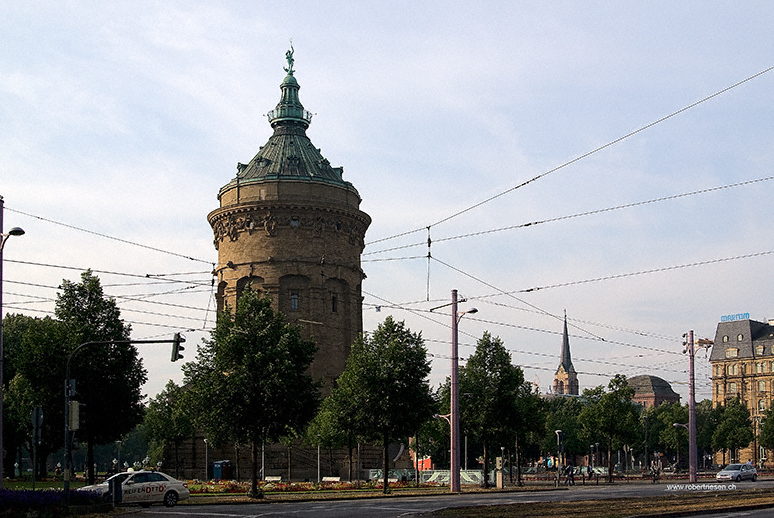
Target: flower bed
pixel 198 487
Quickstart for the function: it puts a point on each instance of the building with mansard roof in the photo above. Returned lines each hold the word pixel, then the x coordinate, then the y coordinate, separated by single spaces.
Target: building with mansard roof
pixel 742 361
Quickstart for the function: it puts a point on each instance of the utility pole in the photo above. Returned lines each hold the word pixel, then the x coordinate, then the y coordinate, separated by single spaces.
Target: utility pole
pixel 690 348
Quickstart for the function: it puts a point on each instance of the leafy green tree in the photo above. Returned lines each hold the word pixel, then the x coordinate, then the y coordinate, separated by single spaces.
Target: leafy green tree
pixel 530 421
pixel 563 413
pixel 707 418
pixel 492 387
pixel 671 437
pixel 734 428
pixel 386 382
pixel 651 427
pixel 766 436
pixel 249 382
pixel 167 422
pixel 109 378
pixel 38 360
pixel 611 416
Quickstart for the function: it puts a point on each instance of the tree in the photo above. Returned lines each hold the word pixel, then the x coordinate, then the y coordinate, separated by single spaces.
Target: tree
pixel 249 382
pixel 38 360
pixel 492 387
pixel 530 421
pixel 766 436
pixel 671 437
pixel 734 428
pixel 167 422
pixel 386 383
pixel 611 416
pixel 109 377
pixel 562 413
pixel 707 418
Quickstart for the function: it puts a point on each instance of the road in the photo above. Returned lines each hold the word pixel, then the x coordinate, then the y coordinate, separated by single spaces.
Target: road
pixel 397 506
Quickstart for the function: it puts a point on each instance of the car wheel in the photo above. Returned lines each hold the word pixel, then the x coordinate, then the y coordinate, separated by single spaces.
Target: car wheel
pixel 755 477
pixel 170 499
pixel 738 479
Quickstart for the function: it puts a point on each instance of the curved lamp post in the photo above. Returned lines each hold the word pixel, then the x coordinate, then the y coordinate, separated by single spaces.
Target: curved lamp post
pixel 15 231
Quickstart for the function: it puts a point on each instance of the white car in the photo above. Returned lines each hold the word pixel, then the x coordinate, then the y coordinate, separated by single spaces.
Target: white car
pixel 144 488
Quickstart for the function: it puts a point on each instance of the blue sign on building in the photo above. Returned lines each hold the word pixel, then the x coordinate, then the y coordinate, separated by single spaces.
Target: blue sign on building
pixel 738 316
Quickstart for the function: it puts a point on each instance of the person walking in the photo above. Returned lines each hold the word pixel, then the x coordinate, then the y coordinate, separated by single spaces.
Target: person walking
pixel 570 472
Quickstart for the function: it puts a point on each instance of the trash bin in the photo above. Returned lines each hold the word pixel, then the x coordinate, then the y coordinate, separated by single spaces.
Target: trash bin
pixel 116 491
pixel 221 470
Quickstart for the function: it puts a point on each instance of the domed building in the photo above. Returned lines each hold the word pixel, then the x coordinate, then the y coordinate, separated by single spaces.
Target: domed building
pixel 652 391
pixel 290 226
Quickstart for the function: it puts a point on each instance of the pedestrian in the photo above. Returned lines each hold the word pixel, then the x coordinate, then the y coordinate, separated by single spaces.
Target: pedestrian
pixel 570 472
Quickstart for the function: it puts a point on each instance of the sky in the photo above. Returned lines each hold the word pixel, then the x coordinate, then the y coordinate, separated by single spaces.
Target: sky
pixel 457 121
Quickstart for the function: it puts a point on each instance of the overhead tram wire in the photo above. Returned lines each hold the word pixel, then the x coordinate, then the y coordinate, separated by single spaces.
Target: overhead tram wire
pixel 581 337
pixel 644 272
pixel 418 312
pixel 106 236
pixel 597 324
pixel 107 272
pixel 579 158
pixel 565 217
pixel 533 306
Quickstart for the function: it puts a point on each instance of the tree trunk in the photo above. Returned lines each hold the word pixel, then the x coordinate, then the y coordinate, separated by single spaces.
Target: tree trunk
pixel 518 464
pixel 609 464
pixel 330 462
pixel 289 448
pixel 177 460
pixel 349 444
pixel 386 463
pixel 254 469
pixel 236 451
pixel 90 461
pixel 486 465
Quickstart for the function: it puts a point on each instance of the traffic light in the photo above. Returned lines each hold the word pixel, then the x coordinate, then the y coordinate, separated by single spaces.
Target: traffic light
pixel 176 347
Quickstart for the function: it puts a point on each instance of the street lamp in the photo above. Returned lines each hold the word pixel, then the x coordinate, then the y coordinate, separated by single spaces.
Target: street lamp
pixel 15 231
pixel 559 436
pixel 454 420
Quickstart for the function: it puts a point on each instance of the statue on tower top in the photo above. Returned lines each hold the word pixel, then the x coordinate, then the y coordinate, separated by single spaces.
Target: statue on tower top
pixel 289 57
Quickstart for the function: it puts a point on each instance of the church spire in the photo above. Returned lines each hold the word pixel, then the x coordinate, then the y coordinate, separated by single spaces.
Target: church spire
pixel 566 362
pixel 565 378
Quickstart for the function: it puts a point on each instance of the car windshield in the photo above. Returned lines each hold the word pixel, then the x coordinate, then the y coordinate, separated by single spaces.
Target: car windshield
pixel 733 467
pixel 120 477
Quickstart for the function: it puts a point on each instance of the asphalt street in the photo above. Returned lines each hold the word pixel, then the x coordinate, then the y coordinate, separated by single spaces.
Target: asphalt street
pixel 398 506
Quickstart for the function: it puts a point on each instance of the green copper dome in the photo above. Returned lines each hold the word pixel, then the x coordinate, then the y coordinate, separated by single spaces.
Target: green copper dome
pixel 289 154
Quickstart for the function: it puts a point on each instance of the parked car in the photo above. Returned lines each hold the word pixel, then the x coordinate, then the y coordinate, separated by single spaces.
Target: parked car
pixel 737 473
pixel 144 488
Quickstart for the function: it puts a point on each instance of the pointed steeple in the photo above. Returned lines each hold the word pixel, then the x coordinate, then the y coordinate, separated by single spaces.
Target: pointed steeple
pixel 566 362
pixel 565 378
